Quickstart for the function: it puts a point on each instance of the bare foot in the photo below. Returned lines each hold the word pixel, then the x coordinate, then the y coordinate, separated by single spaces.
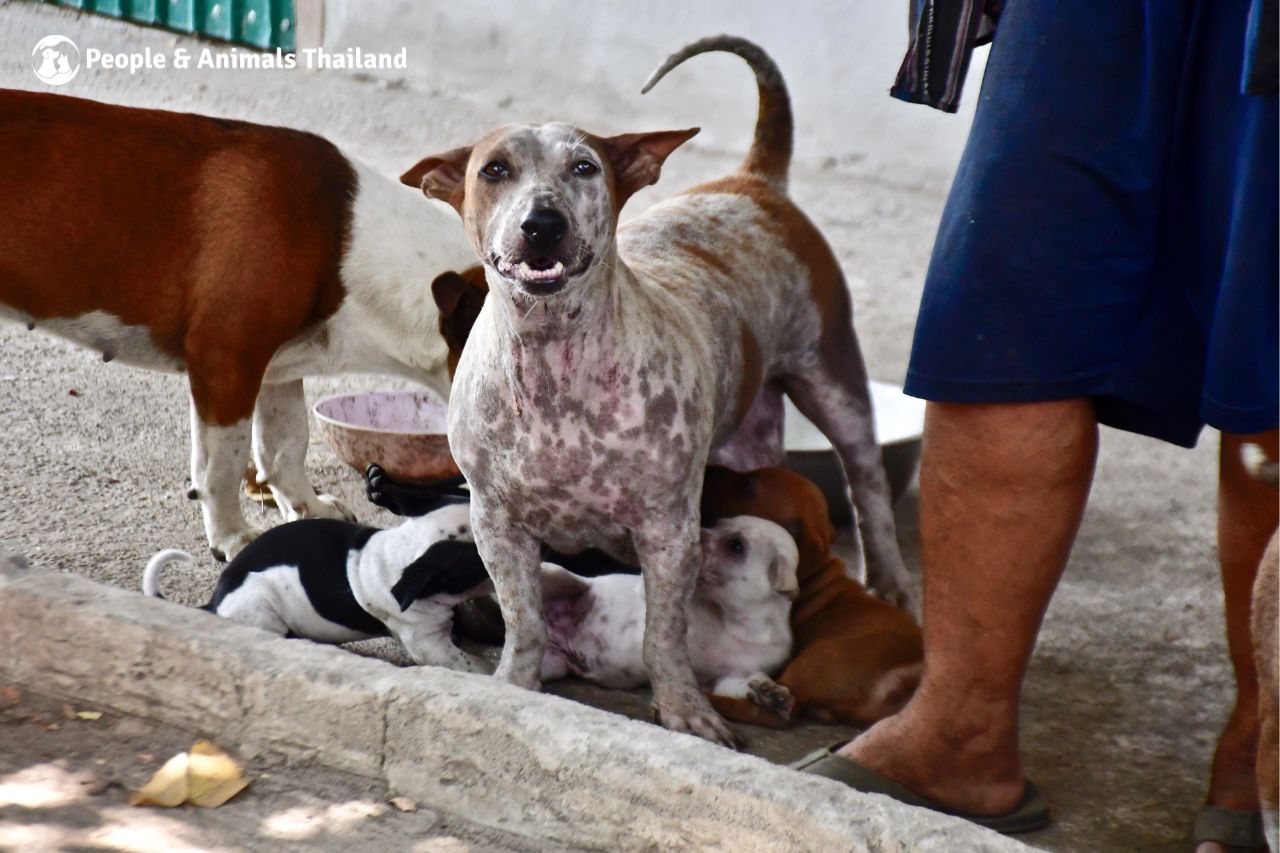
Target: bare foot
pixel 949 756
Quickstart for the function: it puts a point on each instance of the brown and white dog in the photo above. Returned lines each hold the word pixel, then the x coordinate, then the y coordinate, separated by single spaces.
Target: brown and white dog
pixel 857 659
pixel 608 364
pixel 245 256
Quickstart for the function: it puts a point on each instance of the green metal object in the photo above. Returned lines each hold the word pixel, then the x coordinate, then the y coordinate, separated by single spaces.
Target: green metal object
pixel 216 20
pixel 144 11
pixel 254 17
pixel 178 15
pixel 264 24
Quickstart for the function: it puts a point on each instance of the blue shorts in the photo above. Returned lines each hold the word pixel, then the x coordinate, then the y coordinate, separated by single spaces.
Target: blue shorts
pixel 1113 226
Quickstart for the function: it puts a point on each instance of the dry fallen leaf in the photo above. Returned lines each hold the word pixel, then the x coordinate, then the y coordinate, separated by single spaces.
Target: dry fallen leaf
pixel 206 776
pixel 213 775
pixel 9 697
pixel 167 787
pixel 403 804
pixel 89 715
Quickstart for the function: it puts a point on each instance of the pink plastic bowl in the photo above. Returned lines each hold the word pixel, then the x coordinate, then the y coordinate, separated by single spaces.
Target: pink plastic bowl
pixel 403 431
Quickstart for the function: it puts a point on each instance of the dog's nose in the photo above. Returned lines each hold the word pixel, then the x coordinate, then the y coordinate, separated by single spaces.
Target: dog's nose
pixel 544 227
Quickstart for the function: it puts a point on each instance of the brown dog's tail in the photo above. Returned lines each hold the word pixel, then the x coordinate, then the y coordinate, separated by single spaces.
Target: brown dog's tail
pixel 770 154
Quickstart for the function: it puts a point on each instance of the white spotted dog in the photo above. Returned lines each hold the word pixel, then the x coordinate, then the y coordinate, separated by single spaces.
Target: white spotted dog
pixel 334 581
pixel 739 618
pixel 610 365
pixel 246 256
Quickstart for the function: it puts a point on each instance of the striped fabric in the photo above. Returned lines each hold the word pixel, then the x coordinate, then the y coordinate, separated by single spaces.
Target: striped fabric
pixel 943 36
pixel 945 32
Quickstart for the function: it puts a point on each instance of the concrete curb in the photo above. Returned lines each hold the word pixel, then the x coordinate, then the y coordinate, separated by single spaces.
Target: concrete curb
pixel 536 765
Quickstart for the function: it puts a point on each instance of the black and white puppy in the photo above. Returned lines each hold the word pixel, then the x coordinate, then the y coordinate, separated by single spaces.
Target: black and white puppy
pixel 335 582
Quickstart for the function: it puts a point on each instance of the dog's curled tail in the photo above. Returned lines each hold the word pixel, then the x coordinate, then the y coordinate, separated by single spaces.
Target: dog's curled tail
pixel 156 565
pixel 770 154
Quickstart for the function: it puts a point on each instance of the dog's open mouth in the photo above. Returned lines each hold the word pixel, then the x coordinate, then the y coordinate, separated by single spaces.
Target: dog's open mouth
pixel 538 276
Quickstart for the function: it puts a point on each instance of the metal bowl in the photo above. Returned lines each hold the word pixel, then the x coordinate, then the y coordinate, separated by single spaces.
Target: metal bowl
pixel 402 431
pixel 899 426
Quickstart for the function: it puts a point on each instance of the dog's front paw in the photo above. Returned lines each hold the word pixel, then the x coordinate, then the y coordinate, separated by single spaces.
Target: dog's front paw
pixel 224 547
pixel 770 695
pixel 449 656
pixel 691 713
pixel 378 488
pixel 317 506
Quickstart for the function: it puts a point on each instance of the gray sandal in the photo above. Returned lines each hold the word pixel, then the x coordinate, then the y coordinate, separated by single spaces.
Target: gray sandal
pixel 1238 831
pixel 1031 812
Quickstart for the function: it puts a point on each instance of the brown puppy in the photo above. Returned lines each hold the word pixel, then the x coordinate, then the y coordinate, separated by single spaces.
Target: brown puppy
pixel 856 658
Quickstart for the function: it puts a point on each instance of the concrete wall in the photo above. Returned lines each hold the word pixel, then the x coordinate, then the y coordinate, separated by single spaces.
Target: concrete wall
pixel 567 57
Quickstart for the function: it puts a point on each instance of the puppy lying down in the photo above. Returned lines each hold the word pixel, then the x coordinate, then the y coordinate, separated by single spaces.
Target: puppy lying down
pixel 336 582
pixel 739 619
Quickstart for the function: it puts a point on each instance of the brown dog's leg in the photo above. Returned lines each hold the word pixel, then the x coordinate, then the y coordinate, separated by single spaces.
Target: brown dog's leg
pixel 224 389
pixel 280 438
pixel 1247 517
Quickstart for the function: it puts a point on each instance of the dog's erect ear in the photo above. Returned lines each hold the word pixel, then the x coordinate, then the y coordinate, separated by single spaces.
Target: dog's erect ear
pixel 441 176
pixel 637 158
pixel 450 567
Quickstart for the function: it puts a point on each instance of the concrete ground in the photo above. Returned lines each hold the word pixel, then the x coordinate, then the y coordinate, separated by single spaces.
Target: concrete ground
pixel 1130 682
pixel 64 784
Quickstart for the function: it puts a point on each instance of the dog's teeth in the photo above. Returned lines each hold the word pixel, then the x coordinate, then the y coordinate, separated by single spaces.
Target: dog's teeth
pixel 550 274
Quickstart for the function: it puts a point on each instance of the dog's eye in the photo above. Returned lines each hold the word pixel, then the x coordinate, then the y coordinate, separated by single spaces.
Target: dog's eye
pixel 736 545
pixel 585 168
pixel 494 171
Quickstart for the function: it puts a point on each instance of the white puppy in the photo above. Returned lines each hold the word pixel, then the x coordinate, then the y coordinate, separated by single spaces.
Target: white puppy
pixel 739 620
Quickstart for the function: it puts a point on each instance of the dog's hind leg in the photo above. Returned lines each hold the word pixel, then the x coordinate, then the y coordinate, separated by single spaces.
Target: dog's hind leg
pixel 280 435
pixel 838 402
